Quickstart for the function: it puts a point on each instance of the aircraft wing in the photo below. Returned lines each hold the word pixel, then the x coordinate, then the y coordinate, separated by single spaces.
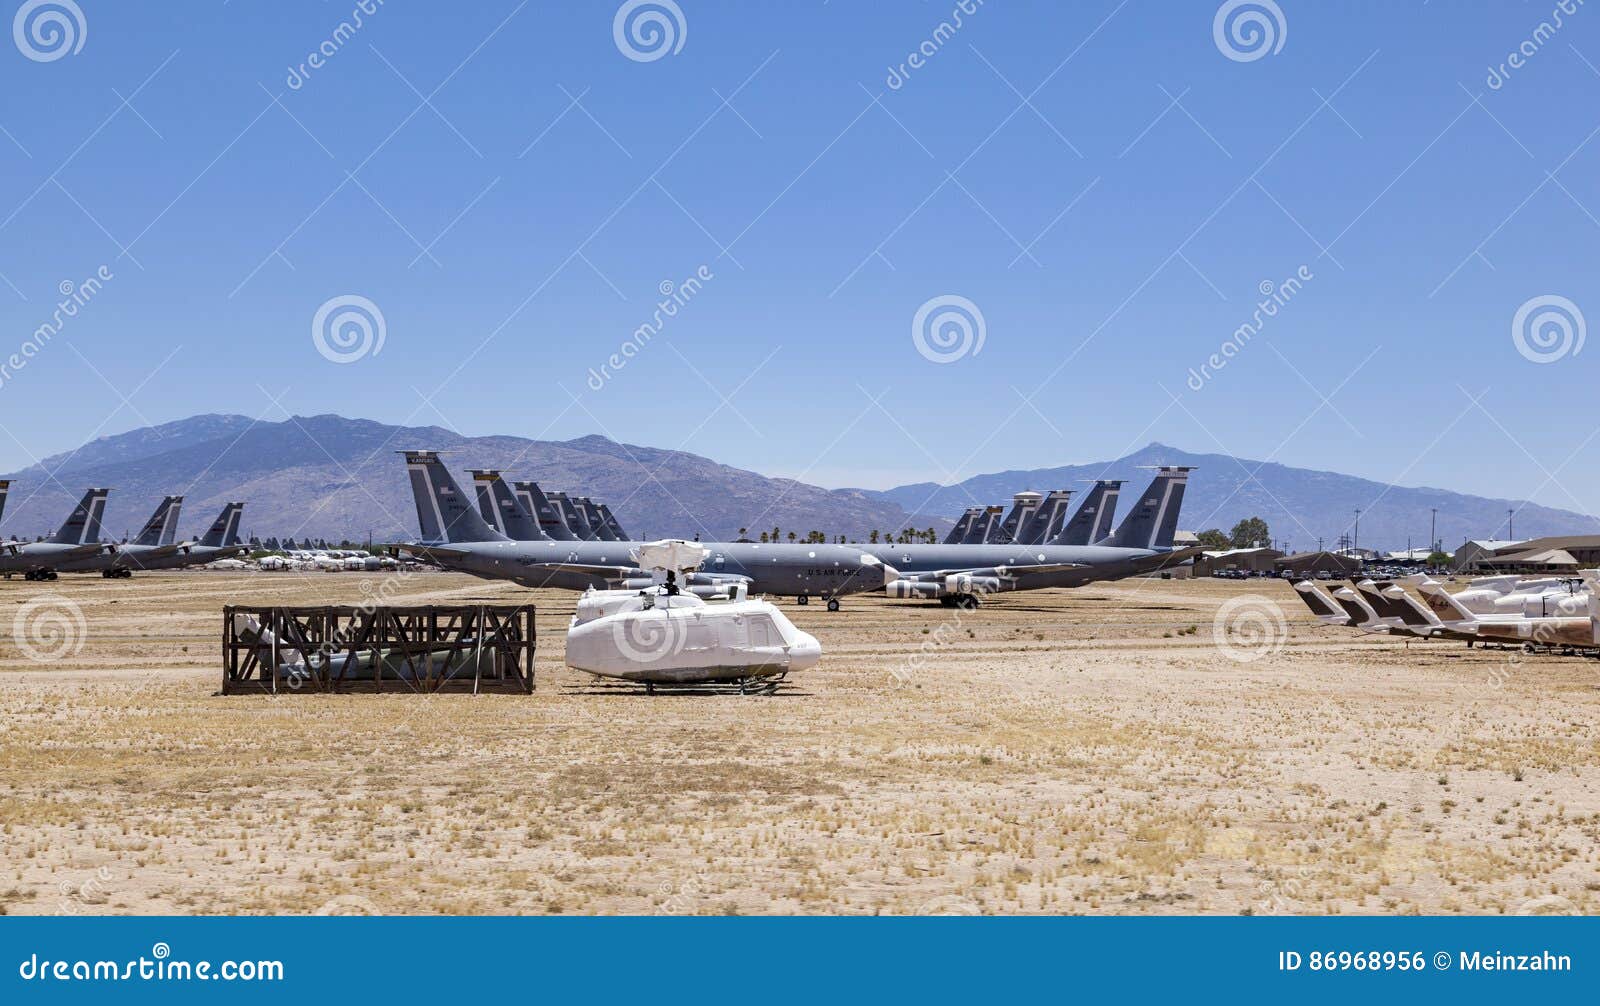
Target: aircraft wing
pixel 589 569
pixel 1015 570
pixel 431 551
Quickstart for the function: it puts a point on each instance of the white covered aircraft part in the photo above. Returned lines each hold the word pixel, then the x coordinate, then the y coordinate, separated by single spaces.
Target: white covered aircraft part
pixel 671 554
pixel 680 639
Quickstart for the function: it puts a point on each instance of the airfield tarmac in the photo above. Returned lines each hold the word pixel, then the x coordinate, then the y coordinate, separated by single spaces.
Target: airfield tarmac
pixel 1088 751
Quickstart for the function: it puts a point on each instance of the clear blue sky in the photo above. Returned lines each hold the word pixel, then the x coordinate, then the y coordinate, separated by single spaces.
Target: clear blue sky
pixel 1113 230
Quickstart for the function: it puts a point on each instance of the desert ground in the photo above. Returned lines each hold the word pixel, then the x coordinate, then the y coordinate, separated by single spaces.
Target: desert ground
pixel 1089 751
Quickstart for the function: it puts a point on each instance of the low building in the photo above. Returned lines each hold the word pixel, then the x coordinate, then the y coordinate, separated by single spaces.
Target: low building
pixel 1471 553
pixel 1251 560
pixel 1559 553
pixel 1303 564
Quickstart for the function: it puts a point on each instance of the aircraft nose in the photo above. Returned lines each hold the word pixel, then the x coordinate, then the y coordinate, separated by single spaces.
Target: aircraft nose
pixel 804 652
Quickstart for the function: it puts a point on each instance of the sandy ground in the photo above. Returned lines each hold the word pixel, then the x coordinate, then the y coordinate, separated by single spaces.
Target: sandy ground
pixel 1089 751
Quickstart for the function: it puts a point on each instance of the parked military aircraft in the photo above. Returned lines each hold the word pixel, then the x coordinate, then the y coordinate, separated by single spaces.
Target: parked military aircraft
pixel 456 536
pixel 221 541
pixel 156 540
pixel 77 538
pixel 959 574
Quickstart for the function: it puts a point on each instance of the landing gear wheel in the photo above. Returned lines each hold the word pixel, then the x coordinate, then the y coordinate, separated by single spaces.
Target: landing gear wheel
pixel 50 575
pixel 802 599
pixel 106 574
pixel 947 602
pixel 833 604
pixel 968 602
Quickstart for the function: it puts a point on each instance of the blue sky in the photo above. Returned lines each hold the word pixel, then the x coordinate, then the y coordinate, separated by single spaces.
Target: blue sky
pixel 1101 180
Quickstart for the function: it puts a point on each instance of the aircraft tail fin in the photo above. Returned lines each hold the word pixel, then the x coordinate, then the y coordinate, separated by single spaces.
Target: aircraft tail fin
pixel 1321 604
pixel 1047 518
pixel 444 512
pixel 963 526
pixel 1446 606
pixel 987 527
pixel 163 520
pixel 552 523
pixel 572 513
pixel 502 509
pixel 1092 522
pixel 225 529
pixel 610 524
pixel 83 524
pixel 591 513
pixel 1154 521
pixel 1361 614
pixel 5 490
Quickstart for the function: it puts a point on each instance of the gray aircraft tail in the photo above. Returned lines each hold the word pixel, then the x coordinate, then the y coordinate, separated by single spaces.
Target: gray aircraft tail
pixel 1154 520
pixel 225 529
pixel 591 513
pixel 162 527
pixel 963 526
pixel 577 521
pixel 1092 522
pixel 610 525
pixel 444 512
pixel 1023 505
pixel 547 514
pixel 501 508
pixel 986 527
pixel 83 525
pixel 5 490
pixel 1047 519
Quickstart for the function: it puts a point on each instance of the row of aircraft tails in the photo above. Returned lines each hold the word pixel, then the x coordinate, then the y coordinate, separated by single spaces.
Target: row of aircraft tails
pixel 1562 613
pixel 76 547
pixel 518 532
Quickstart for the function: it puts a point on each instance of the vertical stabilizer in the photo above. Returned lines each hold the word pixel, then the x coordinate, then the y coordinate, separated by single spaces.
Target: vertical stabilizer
pixel 444 512
pixel 83 524
pixel 551 522
pixel 157 526
pixel 1153 523
pixel 502 509
pixel 1092 522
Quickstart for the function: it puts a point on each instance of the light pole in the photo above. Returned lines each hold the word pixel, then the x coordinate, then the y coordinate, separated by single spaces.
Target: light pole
pixel 1433 519
pixel 1356 544
pixel 1511 531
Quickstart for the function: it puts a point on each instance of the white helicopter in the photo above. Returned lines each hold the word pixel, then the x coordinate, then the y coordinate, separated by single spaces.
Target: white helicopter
pixel 661 635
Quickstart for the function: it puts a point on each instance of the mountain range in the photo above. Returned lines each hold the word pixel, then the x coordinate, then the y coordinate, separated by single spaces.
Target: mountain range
pixel 1300 505
pixel 331 477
